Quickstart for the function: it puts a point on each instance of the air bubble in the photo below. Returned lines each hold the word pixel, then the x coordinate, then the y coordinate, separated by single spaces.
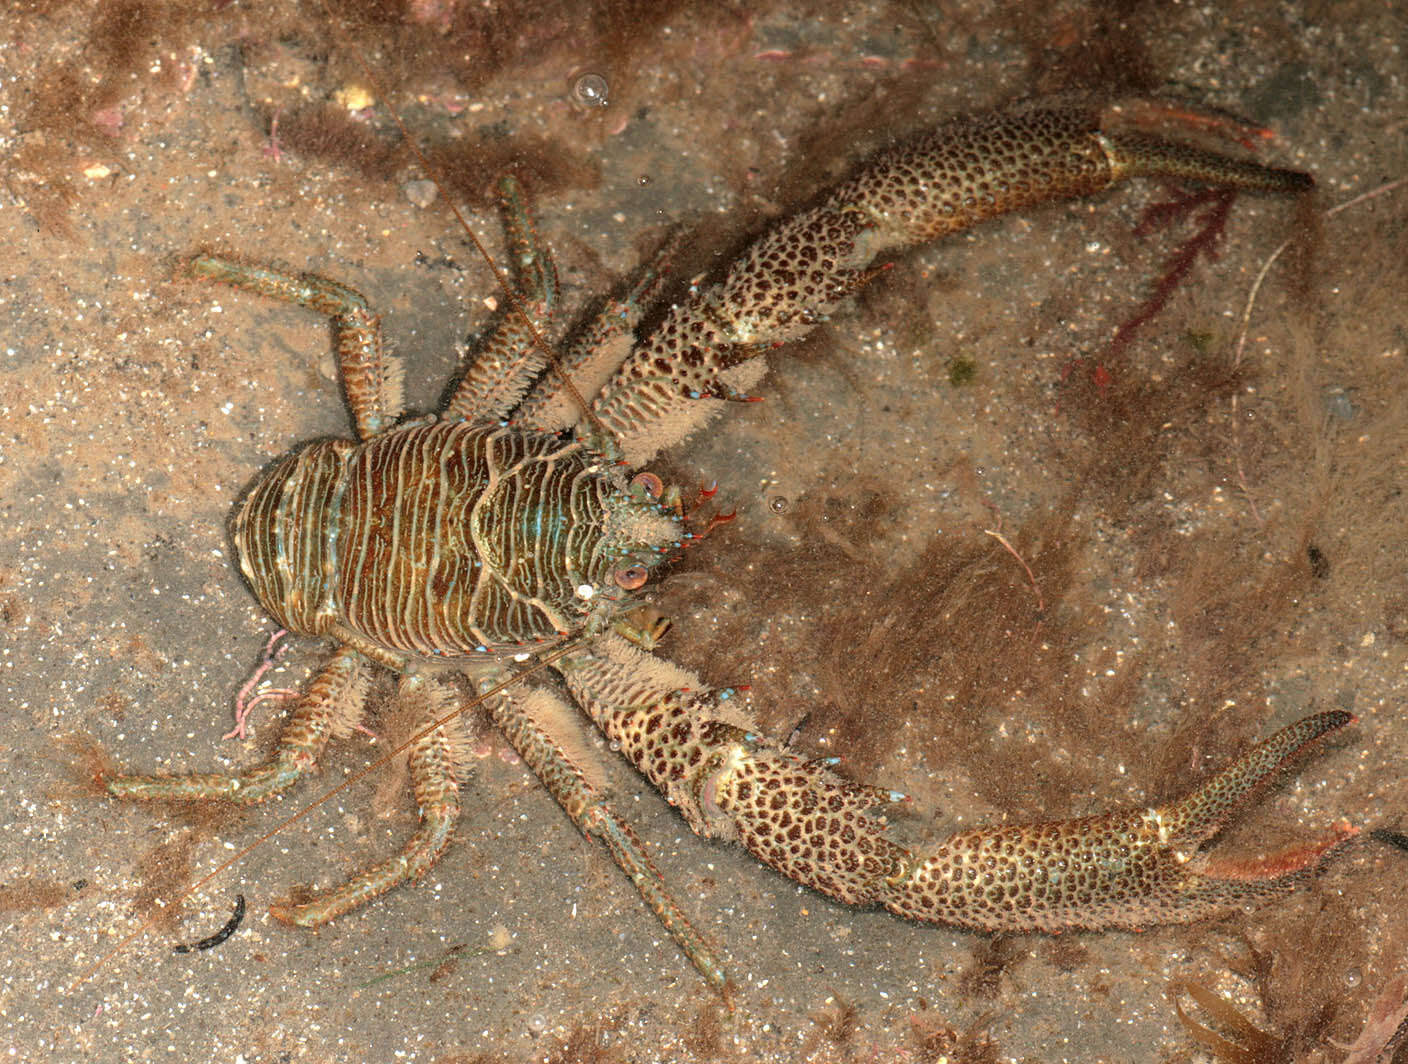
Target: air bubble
pixel 1352 978
pixel 779 504
pixel 537 1023
pixel 590 90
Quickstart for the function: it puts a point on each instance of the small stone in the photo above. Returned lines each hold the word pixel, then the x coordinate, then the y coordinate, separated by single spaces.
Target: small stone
pixel 500 938
pixel 420 193
pixel 353 97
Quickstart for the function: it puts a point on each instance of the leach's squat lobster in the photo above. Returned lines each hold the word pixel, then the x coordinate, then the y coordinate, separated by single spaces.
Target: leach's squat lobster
pixel 451 541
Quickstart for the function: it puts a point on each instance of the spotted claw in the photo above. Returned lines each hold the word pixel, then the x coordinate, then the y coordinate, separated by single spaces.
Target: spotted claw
pixel 1130 869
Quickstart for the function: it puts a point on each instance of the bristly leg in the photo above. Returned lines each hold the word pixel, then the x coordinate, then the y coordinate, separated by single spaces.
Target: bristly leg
pixel 371 379
pixel 512 358
pixel 533 724
pixel 331 705
pixel 435 764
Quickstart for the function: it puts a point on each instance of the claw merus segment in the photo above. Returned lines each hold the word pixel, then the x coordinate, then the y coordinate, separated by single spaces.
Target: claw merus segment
pixel 800 271
pixel 1127 869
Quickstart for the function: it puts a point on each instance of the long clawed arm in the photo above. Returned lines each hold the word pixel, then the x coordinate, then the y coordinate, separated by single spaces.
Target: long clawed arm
pixel 1129 869
pixel 705 349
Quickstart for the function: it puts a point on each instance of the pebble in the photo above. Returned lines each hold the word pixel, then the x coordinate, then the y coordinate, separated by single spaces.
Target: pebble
pixel 421 193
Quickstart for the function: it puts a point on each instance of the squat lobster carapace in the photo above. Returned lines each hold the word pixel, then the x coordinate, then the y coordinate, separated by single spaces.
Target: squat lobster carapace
pixel 507 525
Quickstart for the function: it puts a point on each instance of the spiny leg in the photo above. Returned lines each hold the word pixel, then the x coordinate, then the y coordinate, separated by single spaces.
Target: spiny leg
pixel 371 379
pixel 331 705
pixel 512 358
pixel 435 763
pixel 597 351
pixel 535 724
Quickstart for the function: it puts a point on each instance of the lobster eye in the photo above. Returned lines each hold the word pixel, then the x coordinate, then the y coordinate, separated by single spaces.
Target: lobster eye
pixel 648 483
pixel 631 577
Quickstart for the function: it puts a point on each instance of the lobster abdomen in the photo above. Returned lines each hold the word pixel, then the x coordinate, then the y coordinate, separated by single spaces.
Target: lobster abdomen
pixel 437 540
pixel 284 533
